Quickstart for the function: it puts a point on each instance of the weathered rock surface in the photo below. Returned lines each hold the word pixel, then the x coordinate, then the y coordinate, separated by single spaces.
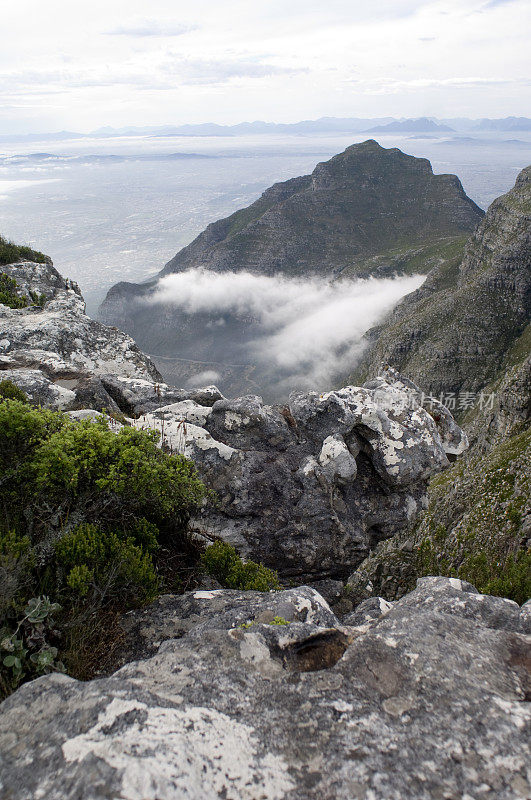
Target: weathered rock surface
pixel 40 348
pixel 426 701
pixel 311 487
pixel 461 329
pixel 173 616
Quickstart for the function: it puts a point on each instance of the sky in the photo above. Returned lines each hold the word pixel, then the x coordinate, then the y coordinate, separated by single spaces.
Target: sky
pixel 67 64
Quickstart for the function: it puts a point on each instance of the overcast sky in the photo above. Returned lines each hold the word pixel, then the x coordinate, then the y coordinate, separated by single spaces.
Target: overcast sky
pixel 80 65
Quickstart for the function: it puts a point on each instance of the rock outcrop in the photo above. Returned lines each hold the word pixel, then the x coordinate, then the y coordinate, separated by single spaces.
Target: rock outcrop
pixel 478 518
pixel 308 488
pixel 53 349
pixel 460 330
pixel 424 699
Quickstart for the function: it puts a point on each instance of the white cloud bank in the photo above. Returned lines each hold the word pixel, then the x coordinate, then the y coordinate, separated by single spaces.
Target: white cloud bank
pixel 306 332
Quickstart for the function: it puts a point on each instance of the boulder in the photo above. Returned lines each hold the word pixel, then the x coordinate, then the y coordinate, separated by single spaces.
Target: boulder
pixel 428 701
pixel 59 340
pixel 173 616
pixel 311 487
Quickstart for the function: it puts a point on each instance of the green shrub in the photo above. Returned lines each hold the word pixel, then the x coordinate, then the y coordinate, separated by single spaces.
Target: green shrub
pixel 10 391
pixel 16 566
pixel 223 563
pixel 104 565
pixel 8 293
pixel 37 299
pixel 84 514
pixel 510 578
pixel 63 468
pixel 25 651
pixel 11 253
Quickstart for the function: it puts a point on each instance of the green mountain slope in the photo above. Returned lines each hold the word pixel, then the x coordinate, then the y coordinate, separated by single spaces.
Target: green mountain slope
pixel 456 332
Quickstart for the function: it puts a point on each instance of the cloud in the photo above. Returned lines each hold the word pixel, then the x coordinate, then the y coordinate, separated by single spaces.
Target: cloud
pixel 206 378
pixel 306 333
pixel 383 86
pixel 199 72
pixel 151 28
pixel 171 73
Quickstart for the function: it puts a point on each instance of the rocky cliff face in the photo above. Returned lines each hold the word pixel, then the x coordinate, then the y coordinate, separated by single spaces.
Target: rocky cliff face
pixel 309 488
pixel 52 350
pixel 458 331
pixel 477 523
pixel 468 331
pixel 367 211
pixel 421 699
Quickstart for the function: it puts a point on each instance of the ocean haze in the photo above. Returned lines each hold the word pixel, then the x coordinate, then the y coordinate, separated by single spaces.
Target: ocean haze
pixel 119 208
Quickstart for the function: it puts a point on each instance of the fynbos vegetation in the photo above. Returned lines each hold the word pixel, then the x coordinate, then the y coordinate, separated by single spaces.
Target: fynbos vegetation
pixel 84 512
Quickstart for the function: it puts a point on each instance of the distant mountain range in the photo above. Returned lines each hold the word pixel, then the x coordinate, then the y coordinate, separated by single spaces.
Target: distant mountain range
pixel 507 124
pixel 422 125
pixel 321 125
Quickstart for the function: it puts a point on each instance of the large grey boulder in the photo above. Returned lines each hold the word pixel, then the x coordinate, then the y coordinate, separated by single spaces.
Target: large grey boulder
pixel 172 616
pixel 311 487
pixel 425 702
pixel 59 340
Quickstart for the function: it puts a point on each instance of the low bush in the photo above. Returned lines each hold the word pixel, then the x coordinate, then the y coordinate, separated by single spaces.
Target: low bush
pixel 25 651
pixel 84 515
pixel 10 391
pixel 10 253
pixel 223 563
pixel 8 293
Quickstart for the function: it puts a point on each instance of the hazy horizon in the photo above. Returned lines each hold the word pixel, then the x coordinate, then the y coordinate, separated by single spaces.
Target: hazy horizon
pixel 381 119
pixel 122 62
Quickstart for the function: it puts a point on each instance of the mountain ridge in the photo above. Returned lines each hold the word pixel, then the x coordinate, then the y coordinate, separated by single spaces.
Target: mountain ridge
pixel 455 332
pixel 368 211
pixel 321 125
pixel 422 125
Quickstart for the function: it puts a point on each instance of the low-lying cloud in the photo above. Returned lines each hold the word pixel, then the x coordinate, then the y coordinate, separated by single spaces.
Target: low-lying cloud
pixel 209 376
pixel 303 333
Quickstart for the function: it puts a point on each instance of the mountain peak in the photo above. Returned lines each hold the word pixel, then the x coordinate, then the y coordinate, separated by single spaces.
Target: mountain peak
pixel 358 203
pixel 368 211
